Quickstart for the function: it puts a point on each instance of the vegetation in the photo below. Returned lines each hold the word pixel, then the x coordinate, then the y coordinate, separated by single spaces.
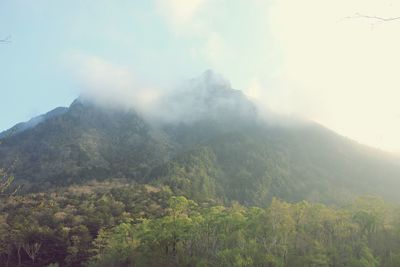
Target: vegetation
pixel 5 182
pixel 223 158
pixel 216 191
pixel 59 226
pixel 119 224
pixel 365 233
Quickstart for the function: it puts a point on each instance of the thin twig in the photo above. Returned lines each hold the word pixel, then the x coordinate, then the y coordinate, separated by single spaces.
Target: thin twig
pixel 361 16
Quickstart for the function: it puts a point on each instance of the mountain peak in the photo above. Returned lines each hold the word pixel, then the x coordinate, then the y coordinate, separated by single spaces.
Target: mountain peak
pixel 208 96
pixel 212 80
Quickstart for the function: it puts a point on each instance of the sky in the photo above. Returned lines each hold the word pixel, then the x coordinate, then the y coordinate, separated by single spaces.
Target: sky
pixel 323 60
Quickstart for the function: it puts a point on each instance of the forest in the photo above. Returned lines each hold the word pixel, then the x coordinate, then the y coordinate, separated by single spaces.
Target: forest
pixel 99 187
pixel 199 133
pixel 117 223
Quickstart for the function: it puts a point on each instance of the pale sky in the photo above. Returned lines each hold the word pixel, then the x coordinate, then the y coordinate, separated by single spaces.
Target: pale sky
pixel 316 59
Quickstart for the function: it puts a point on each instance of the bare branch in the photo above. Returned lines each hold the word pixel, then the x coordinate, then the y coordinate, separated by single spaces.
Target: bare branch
pixel 361 16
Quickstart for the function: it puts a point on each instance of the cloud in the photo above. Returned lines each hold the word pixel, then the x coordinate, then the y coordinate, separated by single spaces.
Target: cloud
pixel 181 14
pixel 195 20
pixel 112 84
pixel 115 86
pixel 302 58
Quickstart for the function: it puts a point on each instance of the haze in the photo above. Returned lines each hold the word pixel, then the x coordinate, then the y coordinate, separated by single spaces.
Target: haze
pixel 322 60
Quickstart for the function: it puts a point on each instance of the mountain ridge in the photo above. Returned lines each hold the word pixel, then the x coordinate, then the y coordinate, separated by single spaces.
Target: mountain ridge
pixel 22 126
pixel 225 152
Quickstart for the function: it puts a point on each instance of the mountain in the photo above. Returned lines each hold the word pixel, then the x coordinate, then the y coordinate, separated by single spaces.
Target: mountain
pixel 207 143
pixel 20 127
pixel 210 97
pixel 85 142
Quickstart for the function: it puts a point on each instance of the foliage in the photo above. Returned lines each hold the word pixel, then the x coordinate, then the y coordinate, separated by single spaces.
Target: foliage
pixel 121 224
pixel 200 193
pixel 283 234
pixel 5 182
pixel 59 226
pixel 224 157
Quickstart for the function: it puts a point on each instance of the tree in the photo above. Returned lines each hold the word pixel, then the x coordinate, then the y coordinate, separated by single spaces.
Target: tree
pixel 5 182
pixel 5 178
pixel 32 250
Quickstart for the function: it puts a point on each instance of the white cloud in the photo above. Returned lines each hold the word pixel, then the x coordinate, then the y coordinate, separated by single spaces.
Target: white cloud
pixel 193 19
pixel 181 14
pixel 112 84
pixel 300 58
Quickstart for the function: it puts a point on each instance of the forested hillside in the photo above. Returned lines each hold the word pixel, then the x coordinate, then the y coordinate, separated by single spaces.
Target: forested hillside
pixel 205 182
pixel 220 148
pixel 119 224
pixel 365 233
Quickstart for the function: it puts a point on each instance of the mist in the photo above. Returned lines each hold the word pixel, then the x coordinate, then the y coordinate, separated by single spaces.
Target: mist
pixel 208 94
pixel 201 133
pixel 319 61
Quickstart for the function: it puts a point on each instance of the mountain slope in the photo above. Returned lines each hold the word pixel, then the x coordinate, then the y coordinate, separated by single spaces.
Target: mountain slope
pixel 254 164
pixel 20 127
pixel 209 144
pixel 84 143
